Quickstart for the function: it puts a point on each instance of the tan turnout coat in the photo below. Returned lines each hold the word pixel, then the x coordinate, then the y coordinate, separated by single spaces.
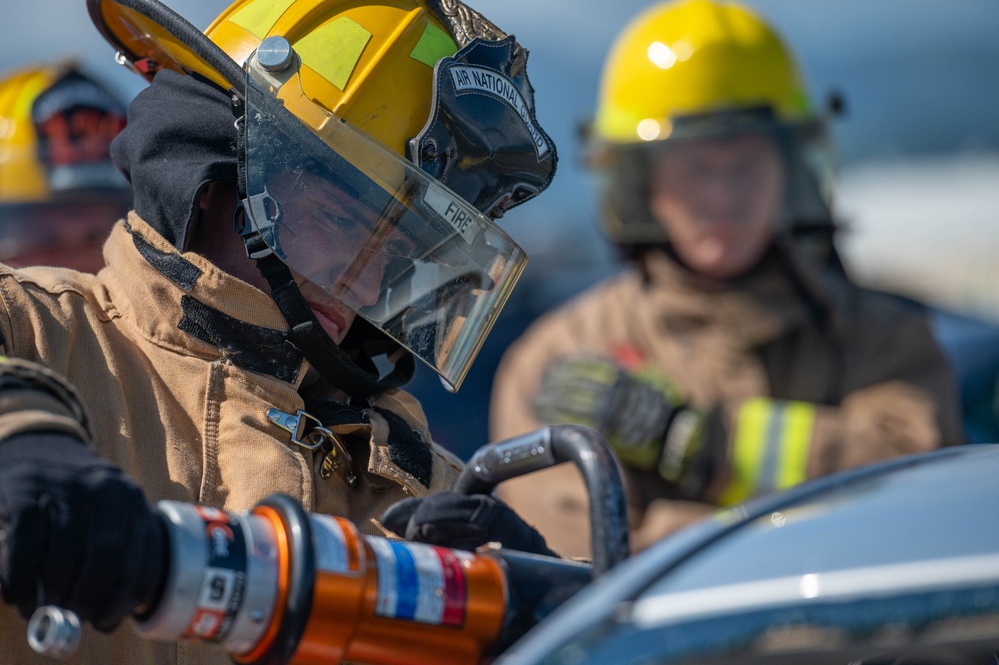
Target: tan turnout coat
pixel 177 364
pixel 878 382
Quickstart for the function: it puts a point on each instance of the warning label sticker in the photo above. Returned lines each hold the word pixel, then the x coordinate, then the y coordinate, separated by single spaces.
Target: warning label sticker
pixel 419 583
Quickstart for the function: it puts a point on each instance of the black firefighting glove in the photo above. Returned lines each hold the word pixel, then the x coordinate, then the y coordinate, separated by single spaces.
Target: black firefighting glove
pixel 75 531
pixel 641 414
pixel 463 521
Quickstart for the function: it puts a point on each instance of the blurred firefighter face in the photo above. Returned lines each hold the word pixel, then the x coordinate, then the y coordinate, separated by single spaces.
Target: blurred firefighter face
pixel 719 200
pixel 336 277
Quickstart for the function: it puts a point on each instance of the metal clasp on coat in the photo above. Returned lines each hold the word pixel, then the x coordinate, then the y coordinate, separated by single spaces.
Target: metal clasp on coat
pixel 308 432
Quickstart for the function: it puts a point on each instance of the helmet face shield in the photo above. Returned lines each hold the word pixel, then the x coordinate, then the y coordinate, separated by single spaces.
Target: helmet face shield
pixel 372 230
pixel 622 172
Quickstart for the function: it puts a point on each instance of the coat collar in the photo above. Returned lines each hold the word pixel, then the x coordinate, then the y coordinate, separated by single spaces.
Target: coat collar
pixel 185 302
pixel 757 308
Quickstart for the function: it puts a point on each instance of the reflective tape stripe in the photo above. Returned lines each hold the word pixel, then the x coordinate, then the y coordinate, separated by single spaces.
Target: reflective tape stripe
pixel 766 476
pixel 334 49
pixel 799 421
pixel 418 582
pixel 259 17
pixel 407 580
pixel 434 44
pixel 750 431
pixel 770 448
pixel 455 595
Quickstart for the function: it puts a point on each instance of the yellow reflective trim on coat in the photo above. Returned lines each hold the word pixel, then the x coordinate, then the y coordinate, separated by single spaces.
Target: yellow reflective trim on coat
pixel 770 448
pixel 751 427
pixel 799 419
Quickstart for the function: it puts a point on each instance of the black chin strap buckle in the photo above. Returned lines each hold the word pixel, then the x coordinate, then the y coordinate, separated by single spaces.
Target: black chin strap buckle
pixel 254 243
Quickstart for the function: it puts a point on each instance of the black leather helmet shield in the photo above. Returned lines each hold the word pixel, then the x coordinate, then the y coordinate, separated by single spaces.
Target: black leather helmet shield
pixel 482 139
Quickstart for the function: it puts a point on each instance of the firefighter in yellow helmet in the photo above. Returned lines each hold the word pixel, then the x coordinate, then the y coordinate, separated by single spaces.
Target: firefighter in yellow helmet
pixel 59 191
pixel 316 184
pixel 733 357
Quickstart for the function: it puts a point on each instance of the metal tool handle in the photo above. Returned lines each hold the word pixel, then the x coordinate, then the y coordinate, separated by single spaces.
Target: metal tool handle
pixel 54 632
pixel 589 451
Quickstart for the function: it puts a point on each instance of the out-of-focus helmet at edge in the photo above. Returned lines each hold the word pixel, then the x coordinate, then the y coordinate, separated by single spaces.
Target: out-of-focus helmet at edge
pixel 382 86
pixel 693 69
pixel 59 191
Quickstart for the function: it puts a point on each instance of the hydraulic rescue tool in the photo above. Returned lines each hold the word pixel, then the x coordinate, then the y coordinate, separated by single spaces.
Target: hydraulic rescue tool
pixel 277 585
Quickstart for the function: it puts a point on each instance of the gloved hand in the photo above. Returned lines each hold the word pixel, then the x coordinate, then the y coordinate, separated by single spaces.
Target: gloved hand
pixel 76 532
pixel 462 521
pixel 642 416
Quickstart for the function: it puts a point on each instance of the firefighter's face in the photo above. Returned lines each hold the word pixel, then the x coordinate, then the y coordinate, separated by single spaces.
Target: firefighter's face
pixel 334 277
pixel 719 200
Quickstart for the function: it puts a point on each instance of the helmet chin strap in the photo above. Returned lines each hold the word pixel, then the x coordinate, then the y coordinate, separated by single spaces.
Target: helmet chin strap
pixel 332 362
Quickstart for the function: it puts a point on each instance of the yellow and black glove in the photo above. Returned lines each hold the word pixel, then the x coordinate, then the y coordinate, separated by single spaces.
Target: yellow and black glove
pixel 641 414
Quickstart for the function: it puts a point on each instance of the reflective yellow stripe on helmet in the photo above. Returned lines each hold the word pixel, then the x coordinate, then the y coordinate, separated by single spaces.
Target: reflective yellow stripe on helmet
pixel 770 448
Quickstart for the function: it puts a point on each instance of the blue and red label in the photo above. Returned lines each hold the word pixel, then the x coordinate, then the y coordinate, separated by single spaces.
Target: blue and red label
pixel 419 582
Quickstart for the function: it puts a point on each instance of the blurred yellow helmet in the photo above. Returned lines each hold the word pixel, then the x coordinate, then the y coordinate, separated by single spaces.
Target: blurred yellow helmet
pixel 56 127
pixel 691 59
pixel 686 69
pixel 59 192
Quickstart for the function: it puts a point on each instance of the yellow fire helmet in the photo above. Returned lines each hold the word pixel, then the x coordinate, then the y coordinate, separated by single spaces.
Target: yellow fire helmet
pixel 687 69
pixel 59 192
pixel 419 112
pixel 56 127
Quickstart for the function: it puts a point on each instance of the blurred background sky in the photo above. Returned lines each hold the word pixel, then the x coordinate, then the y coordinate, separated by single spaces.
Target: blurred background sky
pixel 918 146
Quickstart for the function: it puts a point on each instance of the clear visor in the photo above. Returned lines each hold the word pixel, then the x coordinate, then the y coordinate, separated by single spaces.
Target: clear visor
pixel 371 230
pixel 621 175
